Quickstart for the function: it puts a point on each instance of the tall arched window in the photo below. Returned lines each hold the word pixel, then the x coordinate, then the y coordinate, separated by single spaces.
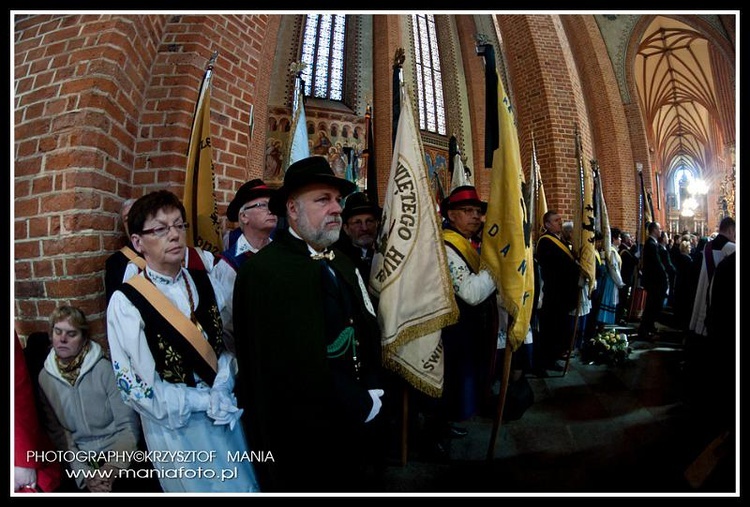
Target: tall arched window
pixel 681 180
pixel 429 76
pixel 323 52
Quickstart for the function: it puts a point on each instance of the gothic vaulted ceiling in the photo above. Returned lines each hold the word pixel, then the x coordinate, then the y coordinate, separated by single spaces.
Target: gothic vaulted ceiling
pixel 677 93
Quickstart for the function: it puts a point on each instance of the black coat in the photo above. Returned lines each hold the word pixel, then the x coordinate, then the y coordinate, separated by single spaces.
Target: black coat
pixel 307 409
pixel 364 264
pixel 655 277
pixel 560 274
pixel 114 270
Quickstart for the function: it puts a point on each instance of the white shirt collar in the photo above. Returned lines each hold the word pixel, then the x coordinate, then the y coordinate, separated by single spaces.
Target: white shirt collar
pixel 243 245
pixel 160 278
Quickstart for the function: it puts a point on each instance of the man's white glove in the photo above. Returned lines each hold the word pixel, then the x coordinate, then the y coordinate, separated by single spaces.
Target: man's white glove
pixel 375 394
pixel 223 408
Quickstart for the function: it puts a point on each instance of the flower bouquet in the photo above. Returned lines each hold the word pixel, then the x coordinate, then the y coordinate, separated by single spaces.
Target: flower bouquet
pixel 608 347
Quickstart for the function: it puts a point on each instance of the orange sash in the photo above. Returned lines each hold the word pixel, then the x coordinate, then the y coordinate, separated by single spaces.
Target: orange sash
pixel 182 324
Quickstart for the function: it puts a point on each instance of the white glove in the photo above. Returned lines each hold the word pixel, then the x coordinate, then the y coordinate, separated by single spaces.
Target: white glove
pixel 223 408
pixel 227 369
pixel 375 394
pixel 23 477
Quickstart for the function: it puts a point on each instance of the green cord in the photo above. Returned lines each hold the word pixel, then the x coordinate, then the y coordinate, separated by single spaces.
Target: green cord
pixel 339 347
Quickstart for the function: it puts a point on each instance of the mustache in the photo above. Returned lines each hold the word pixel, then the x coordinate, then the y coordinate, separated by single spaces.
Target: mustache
pixel 333 219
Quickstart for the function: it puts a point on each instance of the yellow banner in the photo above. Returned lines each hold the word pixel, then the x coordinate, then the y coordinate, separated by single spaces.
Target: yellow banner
pixel 583 229
pixel 199 198
pixel 506 240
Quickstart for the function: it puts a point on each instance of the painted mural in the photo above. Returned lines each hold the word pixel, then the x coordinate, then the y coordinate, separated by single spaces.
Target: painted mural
pixel 338 137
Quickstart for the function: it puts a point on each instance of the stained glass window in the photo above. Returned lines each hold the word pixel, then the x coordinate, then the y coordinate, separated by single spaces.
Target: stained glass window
pixel 323 52
pixel 429 75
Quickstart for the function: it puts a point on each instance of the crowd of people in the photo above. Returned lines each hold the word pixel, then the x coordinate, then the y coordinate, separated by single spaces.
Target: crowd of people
pixel 260 369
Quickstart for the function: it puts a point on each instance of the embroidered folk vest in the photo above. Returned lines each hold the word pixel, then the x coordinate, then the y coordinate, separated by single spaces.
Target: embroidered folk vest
pixel 176 360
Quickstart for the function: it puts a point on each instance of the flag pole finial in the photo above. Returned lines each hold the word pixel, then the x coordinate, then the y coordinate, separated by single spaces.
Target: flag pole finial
pixel 398 58
pixel 212 60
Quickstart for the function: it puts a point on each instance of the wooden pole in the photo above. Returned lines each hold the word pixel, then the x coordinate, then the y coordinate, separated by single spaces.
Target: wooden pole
pixel 500 401
pixel 404 425
pixel 575 332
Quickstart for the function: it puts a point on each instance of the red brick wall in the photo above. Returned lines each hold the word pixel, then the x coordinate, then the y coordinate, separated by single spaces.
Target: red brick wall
pixel 606 113
pixel 387 38
pixel 103 109
pixel 549 102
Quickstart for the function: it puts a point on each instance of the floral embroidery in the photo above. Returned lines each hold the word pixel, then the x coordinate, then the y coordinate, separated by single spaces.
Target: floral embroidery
pixel 173 370
pixel 215 315
pixel 458 272
pixel 131 385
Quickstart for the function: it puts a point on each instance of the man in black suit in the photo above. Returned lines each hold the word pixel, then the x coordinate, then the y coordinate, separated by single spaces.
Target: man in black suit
pixel 655 281
pixel 560 273
pixel 308 345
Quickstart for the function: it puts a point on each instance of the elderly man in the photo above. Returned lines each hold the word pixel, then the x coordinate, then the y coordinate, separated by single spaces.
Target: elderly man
pixel 165 328
pixel 360 228
pixel 250 208
pixel 560 276
pixel 308 344
pixel 469 344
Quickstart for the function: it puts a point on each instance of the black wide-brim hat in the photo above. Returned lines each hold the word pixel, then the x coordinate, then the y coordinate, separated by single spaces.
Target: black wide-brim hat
pixel 247 192
pixel 357 204
pixel 465 195
pixel 305 172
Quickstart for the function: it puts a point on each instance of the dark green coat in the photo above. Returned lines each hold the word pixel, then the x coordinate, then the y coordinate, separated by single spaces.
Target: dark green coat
pixel 306 409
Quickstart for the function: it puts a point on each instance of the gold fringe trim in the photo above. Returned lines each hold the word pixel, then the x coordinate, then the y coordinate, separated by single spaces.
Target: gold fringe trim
pixel 415 381
pixel 425 328
pixel 512 311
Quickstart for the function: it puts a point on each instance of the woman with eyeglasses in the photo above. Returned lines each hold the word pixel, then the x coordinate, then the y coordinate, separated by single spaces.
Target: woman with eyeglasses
pixel 165 328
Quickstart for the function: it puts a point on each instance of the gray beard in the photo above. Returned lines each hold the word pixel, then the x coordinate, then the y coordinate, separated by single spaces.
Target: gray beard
pixel 321 238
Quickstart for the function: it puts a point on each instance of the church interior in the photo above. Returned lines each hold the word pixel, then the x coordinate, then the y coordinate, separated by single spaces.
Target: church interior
pixel 103 106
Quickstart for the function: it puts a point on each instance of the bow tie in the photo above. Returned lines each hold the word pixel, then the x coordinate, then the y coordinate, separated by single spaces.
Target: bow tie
pixel 327 255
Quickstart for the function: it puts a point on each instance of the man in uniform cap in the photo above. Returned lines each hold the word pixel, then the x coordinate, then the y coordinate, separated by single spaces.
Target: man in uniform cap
pixel 308 344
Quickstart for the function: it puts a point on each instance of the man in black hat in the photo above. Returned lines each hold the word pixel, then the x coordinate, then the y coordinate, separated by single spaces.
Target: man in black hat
pixel 308 344
pixel 250 209
pixel 360 228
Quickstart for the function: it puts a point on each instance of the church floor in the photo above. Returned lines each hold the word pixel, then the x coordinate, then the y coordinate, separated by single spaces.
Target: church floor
pixel 620 430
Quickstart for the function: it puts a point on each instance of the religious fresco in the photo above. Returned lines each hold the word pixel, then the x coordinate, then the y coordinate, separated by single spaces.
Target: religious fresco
pixel 436 160
pixel 338 137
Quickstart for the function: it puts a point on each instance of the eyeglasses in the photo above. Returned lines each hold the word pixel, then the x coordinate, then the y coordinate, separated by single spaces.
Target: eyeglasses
pixel 470 211
pixel 369 222
pixel 259 205
pixel 163 230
